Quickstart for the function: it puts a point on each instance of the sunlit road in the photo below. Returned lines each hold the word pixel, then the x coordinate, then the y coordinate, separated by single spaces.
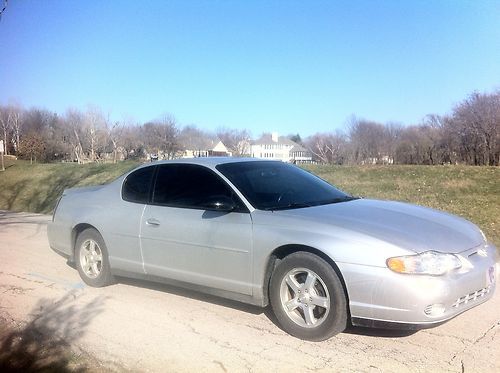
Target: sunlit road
pixel 146 327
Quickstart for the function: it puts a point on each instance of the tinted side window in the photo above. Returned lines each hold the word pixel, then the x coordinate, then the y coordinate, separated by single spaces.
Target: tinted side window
pixel 188 186
pixel 137 185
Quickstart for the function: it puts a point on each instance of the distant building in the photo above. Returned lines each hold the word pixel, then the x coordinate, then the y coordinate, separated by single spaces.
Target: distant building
pixel 300 154
pixel 203 147
pixel 272 146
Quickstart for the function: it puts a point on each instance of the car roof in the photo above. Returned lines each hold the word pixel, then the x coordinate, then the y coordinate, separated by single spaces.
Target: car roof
pixel 212 161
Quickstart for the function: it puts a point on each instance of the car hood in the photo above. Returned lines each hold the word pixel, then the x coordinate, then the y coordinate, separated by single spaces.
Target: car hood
pixel 408 226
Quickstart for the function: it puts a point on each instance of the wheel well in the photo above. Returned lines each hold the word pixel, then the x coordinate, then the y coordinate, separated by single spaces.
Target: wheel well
pixel 283 251
pixel 79 228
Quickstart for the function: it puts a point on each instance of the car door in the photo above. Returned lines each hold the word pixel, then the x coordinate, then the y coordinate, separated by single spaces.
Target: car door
pixel 183 240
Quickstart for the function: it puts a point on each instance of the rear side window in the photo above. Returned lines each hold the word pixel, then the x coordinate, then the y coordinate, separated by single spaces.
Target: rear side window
pixel 189 186
pixel 137 185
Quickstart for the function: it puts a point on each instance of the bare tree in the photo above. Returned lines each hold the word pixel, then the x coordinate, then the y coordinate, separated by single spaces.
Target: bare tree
pixel 114 132
pixel 15 119
pixel 132 141
pixel 476 123
pixel 161 136
pixel 392 137
pixel 74 124
pixel 237 141
pixel 367 141
pixel 5 125
pixel 46 126
pixel 58 146
pixel 196 140
pixel 330 148
pixel 32 146
pixel 95 131
pixel 412 147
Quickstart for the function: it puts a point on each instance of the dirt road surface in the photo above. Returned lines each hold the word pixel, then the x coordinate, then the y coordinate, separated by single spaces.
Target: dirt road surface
pixel 140 326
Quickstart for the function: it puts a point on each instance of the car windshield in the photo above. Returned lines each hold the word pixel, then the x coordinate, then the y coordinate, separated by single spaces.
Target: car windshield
pixel 271 185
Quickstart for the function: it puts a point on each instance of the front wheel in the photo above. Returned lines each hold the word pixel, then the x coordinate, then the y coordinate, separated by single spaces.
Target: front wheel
pixel 91 258
pixel 307 297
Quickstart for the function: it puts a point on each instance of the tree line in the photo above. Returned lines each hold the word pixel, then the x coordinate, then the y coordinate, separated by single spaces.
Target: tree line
pixel 468 135
pixel 90 136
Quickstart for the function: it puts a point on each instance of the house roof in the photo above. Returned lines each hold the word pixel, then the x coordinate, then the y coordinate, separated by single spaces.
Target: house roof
pixel 298 148
pixel 201 143
pixel 266 139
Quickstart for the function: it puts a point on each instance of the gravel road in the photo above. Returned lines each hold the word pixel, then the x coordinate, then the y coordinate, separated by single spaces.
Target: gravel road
pixel 139 326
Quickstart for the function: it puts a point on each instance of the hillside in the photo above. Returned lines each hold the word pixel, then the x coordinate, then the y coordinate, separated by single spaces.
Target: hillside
pixel 35 188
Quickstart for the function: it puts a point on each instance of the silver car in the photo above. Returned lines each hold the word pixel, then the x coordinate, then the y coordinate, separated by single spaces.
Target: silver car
pixel 266 232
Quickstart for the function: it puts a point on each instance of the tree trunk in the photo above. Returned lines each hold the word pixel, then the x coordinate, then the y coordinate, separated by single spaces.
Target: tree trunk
pixel 5 147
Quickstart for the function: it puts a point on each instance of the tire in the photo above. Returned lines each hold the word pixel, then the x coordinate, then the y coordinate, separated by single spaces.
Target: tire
pixel 307 297
pixel 91 257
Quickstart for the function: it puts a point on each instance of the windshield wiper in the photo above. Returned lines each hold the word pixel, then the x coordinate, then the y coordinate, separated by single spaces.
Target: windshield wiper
pixel 299 205
pixel 294 205
pixel 338 200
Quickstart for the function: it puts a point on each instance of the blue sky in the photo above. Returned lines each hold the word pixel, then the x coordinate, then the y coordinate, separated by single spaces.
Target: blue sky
pixel 286 66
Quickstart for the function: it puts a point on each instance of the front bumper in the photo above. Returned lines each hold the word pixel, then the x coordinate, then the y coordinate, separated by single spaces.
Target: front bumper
pixel 377 295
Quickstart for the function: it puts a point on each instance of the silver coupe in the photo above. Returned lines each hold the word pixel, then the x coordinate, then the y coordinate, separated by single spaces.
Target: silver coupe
pixel 266 232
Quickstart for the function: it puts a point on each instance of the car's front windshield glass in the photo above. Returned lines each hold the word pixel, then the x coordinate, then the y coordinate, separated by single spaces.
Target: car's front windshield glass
pixel 271 185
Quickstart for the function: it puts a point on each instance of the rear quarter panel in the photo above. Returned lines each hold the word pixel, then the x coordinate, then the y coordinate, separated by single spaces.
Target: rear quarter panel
pixel 116 220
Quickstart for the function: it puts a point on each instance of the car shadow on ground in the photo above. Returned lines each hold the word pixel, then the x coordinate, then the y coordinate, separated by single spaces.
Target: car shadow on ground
pixel 356 330
pixel 379 333
pixel 192 294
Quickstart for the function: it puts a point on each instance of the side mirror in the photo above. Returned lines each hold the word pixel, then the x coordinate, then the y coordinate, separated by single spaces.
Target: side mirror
pixel 220 203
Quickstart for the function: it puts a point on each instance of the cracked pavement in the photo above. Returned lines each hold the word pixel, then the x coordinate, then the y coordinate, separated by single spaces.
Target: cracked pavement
pixel 140 326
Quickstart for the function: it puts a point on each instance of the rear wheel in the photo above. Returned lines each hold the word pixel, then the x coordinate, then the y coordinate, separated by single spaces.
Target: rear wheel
pixel 91 258
pixel 307 297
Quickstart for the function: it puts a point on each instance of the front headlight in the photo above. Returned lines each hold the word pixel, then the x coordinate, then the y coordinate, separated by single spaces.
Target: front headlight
pixel 427 263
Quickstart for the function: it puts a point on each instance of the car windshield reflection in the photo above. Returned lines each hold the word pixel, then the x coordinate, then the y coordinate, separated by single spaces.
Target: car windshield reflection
pixel 278 186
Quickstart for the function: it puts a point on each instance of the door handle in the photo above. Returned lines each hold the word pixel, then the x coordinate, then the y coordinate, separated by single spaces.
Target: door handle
pixel 153 222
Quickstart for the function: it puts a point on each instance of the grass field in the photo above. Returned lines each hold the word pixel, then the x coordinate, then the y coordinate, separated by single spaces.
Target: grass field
pixel 471 192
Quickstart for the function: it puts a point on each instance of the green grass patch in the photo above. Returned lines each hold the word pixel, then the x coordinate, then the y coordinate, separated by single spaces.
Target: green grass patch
pixel 36 187
pixel 467 191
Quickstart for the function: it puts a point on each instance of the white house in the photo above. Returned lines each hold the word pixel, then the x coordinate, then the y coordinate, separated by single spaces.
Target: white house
pixel 272 146
pixel 204 147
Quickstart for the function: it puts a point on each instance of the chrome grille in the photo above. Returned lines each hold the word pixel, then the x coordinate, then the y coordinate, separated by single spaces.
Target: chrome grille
pixel 471 297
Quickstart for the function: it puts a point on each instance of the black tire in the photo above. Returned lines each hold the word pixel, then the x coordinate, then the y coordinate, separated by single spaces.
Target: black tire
pixel 91 258
pixel 317 308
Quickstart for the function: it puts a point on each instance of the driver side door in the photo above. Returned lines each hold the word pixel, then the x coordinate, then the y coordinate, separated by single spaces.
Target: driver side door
pixel 184 240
